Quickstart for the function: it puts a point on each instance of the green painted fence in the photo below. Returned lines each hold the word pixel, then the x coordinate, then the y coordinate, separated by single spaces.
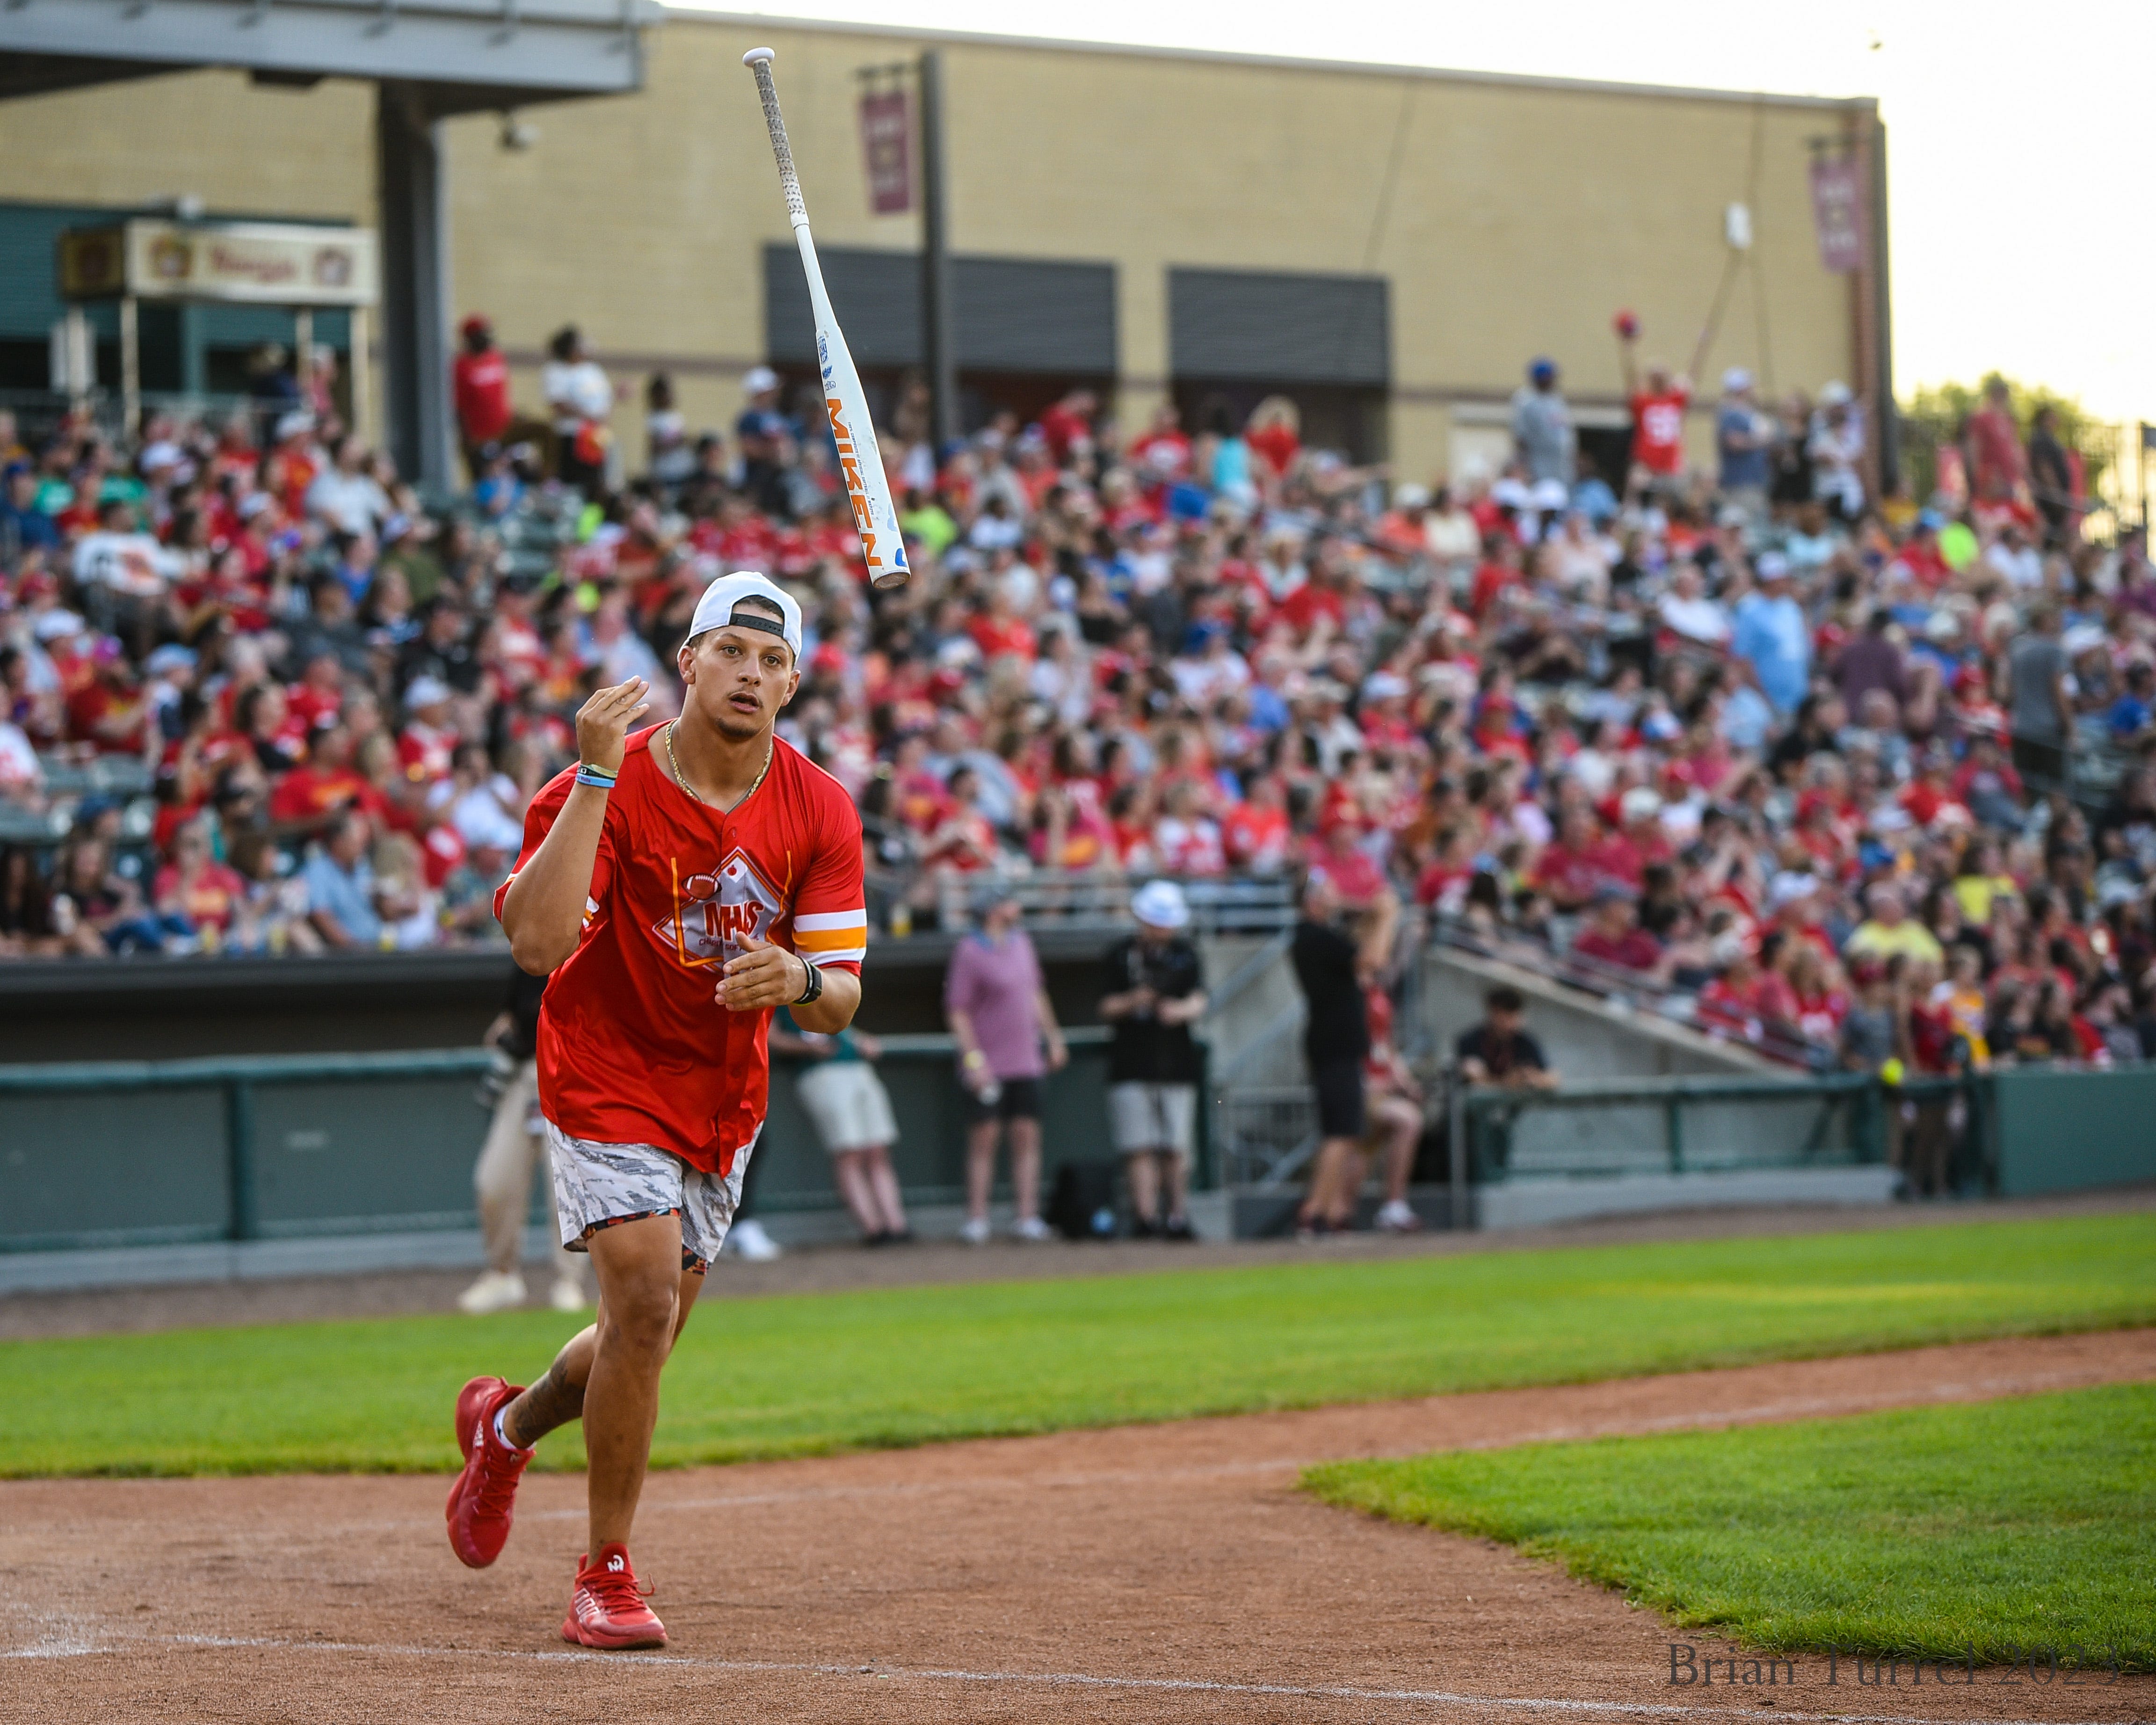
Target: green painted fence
pixel 2062 1131
pixel 125 1153
pixel 117 1154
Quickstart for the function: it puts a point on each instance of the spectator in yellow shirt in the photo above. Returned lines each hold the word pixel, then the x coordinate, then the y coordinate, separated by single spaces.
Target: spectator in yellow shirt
pixel 1980 880
pixel 1888 932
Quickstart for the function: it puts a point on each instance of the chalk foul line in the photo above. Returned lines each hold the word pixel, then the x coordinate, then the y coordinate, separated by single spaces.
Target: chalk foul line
pixel 76 1648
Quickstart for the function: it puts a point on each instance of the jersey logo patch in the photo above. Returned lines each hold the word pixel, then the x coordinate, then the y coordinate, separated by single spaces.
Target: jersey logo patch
pixel 713 911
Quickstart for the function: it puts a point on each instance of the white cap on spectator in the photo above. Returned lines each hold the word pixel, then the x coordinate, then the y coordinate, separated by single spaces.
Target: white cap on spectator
pixel 426 691
pixel 1549 493
pixel 56 626
pixel 294 423
pixel 756 379
pixel 1835 394
pixel 1790 886
pixel 1383 686
pixel 1160 904
pixel 715 609
pixel 1735 381
pixel 1641 804
pixel 1772 566
pixel 1729 946
pixel 1411 496
pixel 170 657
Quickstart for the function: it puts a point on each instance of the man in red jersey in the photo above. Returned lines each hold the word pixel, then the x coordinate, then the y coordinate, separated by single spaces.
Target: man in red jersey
pixel 678 884
pixel 1658 418
pixel 480 387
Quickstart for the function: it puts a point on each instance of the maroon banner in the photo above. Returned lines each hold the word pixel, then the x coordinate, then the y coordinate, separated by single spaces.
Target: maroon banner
pixel 1838 214
pixel 887 145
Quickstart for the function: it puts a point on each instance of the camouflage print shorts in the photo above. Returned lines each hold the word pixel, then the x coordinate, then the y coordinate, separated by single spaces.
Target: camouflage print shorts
pixel 602 1185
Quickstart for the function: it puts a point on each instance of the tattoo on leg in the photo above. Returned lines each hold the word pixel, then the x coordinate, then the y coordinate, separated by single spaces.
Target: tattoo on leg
pixel 551 1403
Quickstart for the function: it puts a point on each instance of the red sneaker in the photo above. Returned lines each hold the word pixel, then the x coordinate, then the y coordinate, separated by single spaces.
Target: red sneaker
pixel 607 1608
pixel 484 1498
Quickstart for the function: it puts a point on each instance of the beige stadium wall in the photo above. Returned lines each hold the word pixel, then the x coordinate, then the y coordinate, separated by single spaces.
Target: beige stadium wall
pixel 242 148
pixel 1519 216
pixel 238 145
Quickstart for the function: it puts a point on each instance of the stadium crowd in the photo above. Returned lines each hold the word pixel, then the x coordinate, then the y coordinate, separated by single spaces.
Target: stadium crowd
pixel 1743 736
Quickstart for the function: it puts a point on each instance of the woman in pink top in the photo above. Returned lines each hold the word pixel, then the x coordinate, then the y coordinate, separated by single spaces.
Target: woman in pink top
pixel 1000 1018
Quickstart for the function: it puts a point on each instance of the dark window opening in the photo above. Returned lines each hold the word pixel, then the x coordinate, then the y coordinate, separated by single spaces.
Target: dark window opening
pixel 1346 418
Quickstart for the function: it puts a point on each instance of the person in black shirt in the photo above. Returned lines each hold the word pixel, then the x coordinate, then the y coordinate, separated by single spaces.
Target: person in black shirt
pixel 1155 991
pixel 1332 969
pixel 2051 476
pixel 1499 1050
pixel 515 1147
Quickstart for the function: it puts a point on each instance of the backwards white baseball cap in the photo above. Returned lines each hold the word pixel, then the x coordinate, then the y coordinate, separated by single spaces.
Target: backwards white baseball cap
pixel 715 609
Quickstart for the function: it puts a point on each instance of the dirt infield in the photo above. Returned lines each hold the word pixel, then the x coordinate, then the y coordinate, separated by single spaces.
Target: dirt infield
pixel 1157 1572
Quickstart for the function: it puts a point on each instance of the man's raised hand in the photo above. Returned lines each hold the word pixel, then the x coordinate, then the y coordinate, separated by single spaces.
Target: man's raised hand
pixel 603 722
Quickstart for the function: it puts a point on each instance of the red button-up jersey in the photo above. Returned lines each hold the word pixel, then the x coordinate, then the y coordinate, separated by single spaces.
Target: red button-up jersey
pixel 634 1048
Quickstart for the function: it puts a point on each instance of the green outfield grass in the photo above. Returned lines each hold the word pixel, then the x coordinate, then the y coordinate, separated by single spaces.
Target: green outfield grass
pixel 808 1374
pixel 1932 1533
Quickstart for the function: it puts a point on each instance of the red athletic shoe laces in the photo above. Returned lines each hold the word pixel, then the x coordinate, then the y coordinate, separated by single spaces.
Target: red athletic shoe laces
pixel 499 1472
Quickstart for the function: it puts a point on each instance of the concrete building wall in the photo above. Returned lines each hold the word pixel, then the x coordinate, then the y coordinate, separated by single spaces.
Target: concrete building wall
pixel 1510 218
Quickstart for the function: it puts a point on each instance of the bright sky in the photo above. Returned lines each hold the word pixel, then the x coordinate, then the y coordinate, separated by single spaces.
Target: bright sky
pixel 2022 167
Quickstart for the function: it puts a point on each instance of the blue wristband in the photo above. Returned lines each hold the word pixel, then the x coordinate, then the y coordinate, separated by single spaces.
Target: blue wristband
pixel 594 777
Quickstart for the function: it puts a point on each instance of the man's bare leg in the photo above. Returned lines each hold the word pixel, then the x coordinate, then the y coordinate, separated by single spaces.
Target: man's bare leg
pixel 1401 1123
pixel 1333 1182
pixel 1175 1177
pixel 1145 1185
pixel 849 1173
pixel 1025 1168
pixel 601 1350
pixel 980 1165
pixel 558 1397
pixel 883 1183
pixel 643 1304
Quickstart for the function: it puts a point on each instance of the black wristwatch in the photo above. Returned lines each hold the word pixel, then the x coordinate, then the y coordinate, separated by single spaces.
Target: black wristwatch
pixel 813 990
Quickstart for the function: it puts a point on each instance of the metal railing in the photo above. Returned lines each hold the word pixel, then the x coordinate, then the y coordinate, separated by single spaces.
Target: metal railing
pixel 1264 1135
pixel 1693 1125
pixel 1050 899
pixel 1629 990
pixel 49 818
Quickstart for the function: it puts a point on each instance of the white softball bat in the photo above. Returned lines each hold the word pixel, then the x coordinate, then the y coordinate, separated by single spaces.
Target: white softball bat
pixel 861 463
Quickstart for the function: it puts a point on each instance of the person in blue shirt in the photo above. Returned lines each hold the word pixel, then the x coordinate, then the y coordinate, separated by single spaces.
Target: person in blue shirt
pixel 340 883
pixel 1741 434
pixel 1772 637
pixel 2128 716
pixel 24 526
pixel 1591 495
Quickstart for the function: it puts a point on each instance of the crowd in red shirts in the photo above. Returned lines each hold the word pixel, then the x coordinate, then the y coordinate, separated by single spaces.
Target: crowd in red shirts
pixel 1738 735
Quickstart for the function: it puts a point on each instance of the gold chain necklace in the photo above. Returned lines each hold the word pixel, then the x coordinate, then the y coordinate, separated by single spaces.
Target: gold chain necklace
pixel 692 789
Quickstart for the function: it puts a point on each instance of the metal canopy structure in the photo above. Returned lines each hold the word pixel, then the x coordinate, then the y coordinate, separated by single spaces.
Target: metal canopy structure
pixel 428 60
pixel 469 55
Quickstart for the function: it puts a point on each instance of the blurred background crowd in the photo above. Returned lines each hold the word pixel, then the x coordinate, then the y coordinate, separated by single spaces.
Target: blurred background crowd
pixel 1846 777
